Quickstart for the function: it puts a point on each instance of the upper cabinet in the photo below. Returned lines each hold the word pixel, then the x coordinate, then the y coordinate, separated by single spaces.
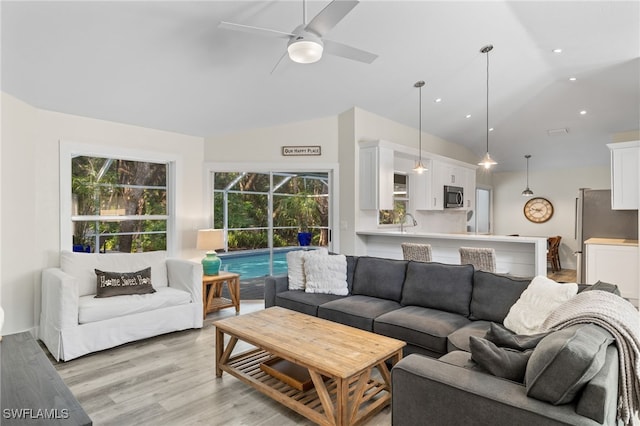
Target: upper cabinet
pixel 625 174
pixel 376 177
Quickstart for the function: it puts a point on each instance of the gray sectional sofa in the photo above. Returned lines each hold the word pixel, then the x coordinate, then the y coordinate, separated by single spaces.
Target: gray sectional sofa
pixel 436 308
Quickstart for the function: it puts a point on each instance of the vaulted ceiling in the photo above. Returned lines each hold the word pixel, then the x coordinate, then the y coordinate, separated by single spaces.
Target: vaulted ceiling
pixel 167 65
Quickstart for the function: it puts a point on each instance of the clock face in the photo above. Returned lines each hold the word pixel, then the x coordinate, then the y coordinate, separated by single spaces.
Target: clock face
pixel 538 210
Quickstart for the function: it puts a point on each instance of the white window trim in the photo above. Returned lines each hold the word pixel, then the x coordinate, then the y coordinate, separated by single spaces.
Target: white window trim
pixel 332 168
pixel 70 149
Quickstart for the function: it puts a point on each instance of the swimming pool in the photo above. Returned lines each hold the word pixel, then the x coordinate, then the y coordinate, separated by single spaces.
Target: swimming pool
pixel 255 263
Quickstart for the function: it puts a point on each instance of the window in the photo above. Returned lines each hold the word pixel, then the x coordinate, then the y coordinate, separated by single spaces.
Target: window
pixel 112 203
pixel 400 201
pixel 255 208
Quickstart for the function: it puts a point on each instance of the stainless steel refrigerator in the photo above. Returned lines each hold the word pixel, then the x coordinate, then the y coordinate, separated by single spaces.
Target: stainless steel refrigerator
pixel 596 219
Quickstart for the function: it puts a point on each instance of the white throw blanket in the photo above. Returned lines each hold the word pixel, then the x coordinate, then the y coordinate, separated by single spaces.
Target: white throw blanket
pixel 622 320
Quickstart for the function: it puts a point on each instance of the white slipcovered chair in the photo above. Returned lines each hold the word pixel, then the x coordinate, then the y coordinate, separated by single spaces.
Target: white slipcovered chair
pixel 74 323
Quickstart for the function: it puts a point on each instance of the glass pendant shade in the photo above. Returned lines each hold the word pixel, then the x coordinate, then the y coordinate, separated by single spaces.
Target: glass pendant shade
pixel 419 167
pixel 487 161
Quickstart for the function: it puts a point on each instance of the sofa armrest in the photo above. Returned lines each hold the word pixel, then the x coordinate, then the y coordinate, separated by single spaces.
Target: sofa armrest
pixel 60 299
pixel 186 275
pixel 429 391
pixel 272 286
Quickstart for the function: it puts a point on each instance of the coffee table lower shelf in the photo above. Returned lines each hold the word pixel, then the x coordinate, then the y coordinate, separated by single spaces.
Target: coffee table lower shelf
pixel 246 367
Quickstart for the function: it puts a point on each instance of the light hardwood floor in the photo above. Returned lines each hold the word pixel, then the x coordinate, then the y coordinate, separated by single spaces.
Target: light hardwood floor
pixel 170 380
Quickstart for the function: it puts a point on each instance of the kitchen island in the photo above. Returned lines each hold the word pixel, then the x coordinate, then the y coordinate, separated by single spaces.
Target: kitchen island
pixel 519 256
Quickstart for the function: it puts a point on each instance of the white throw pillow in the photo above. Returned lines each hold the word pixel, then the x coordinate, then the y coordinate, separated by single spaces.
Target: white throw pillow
pixel 536 302
pixel 295 269
pixel 326 274
pixel 295 266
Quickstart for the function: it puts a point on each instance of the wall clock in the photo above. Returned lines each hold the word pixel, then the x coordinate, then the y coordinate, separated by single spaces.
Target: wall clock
pixel 538 210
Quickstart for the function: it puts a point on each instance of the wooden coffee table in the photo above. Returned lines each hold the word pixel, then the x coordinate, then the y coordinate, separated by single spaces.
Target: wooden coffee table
pixel 339 359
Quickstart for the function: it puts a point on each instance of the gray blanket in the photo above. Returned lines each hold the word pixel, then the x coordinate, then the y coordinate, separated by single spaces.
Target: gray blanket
pixel 622 320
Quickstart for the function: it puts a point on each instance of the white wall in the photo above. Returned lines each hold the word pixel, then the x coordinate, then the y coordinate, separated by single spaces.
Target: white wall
pixel 560 187
pixel 30 194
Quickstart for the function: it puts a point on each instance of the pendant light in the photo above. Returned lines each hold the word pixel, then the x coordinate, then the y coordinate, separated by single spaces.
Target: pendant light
pixel 487 161
pixel 527 192
pixel 419 168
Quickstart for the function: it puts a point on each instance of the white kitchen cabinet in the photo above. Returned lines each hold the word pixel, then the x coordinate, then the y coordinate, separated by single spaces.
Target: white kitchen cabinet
pixel 376 178
pixel 625 175
pixel 614 261
pixel 469 189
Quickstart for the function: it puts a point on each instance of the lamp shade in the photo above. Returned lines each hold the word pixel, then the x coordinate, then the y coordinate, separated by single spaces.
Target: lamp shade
pixel 210 239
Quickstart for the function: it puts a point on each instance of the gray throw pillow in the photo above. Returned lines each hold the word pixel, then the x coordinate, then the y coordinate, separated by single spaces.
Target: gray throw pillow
pixel 501 362
pixel 602 286
pixel 508 339
pixel 123 283
pixel 565 361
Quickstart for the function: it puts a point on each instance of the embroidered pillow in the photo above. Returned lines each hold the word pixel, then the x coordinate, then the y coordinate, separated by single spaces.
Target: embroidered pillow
pixel 326 274
pixel 537 301
pixel 123 283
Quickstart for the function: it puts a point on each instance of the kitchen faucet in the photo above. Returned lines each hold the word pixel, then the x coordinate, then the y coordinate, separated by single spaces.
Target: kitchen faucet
pixel 404 218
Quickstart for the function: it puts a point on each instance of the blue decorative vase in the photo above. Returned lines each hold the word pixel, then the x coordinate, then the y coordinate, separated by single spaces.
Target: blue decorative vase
pixel 304 238
pixel 211 263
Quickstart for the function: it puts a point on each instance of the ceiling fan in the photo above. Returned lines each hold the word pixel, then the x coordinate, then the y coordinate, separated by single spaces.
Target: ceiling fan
pixel 306 43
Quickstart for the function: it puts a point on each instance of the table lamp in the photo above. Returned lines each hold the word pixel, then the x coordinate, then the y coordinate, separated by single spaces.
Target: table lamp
pixel 210 240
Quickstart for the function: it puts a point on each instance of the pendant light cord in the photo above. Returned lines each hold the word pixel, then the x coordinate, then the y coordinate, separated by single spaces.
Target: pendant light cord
pixel 488 101
pixel 420 123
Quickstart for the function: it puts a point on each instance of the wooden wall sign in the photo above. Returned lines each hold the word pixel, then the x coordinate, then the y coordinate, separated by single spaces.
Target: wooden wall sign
pixel 289 151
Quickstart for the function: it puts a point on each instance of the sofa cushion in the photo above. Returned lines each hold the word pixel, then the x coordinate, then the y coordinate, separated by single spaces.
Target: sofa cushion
pixel 307 303
pixel 82 266
pixel 381 278
pixel 438 286
pixel 326 274
pixel 493 295
pixel 564 361
pixel 603 286
pixel 110 284
pixel 459 339
pixel 507 363
pixel 423 327
pixel 357 311
pixel 507 339
pixel 91 309
pixel 539 299
pixel 461 359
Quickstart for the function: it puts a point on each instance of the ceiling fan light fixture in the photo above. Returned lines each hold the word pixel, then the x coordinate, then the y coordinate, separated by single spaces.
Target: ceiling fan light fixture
pixel 305 51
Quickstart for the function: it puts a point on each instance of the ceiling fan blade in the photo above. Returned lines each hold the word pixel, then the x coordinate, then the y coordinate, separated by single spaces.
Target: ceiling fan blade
pixel 339 49
pixel 330 16
pixel 279 60
pixel 254 30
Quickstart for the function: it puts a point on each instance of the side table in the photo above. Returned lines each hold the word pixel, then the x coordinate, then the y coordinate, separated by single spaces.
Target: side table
pixel 212 299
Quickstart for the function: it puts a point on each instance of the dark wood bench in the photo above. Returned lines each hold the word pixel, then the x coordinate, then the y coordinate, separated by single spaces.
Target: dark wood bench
pixel 32 391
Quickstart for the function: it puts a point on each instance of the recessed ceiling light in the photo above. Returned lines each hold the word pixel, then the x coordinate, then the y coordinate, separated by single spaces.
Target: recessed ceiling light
pixel 491 129
pixel 467 116
pixel 437 100
pixel 572 79
pixel 557 50
pixel 583 112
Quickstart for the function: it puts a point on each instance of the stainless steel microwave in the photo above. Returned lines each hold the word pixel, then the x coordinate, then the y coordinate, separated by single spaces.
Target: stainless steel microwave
pixel 453 197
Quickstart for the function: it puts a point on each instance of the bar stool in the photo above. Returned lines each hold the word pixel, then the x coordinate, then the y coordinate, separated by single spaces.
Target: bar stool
pixel 417 252
pixel 553 253
pixel 482 259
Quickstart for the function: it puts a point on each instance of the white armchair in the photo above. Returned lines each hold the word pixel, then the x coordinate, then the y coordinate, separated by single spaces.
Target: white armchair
pixel 73 322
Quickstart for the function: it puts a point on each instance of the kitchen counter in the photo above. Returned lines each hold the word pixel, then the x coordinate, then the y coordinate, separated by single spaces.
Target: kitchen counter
pixel 612 242
pixel 521 256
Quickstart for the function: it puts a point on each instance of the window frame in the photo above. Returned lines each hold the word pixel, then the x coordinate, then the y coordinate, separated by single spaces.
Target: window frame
pixel 69 150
